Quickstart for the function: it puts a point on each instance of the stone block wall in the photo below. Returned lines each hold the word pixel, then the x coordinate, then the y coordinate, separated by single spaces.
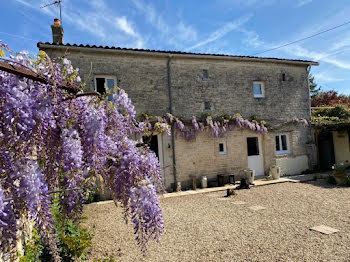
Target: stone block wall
pixel 228 88
pixel 201 156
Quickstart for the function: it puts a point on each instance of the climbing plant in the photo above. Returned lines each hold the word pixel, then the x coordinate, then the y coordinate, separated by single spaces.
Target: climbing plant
pixel 190 129
pixel 55 139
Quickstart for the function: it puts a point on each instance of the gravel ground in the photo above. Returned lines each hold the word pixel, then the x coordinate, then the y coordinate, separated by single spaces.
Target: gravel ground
pixel 209 227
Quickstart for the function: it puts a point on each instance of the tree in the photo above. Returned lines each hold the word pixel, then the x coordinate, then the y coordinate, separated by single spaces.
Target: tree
pixel 56 139
pixel 330 98
pixel 314 88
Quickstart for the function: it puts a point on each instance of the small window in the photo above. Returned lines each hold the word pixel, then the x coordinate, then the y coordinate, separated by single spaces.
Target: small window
pixel 282 144
pixel 207 105
pixel 222 149
pixel 205 74
pixel 103 83
pixel 258 89
pixel 283 77
pixel 253 146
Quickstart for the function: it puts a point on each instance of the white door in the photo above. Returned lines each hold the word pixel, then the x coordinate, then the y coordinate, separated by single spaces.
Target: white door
pixel 255 157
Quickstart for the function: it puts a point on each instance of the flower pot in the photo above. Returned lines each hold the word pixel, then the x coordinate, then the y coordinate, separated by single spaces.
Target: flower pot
pixel 250 176
pixel 204 182
pixel 340 179
pixel 275 172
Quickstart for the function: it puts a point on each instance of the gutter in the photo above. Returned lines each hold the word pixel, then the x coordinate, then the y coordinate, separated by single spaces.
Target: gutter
pixel 172 124
pixel 184 55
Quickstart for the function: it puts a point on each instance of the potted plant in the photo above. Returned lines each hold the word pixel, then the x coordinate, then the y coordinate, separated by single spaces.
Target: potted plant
pixel 339 174
pixel 275 172
pixel 250 174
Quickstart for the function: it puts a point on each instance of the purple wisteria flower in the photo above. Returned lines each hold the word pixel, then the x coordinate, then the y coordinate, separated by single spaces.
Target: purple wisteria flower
pixel 146 213
pixel 52 140
pixel 194 123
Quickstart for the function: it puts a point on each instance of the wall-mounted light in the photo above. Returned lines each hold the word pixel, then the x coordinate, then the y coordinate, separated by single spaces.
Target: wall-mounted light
pixel 169 146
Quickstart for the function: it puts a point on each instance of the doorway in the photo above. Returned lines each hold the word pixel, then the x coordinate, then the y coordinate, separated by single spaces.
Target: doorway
pixel 326 150
pixel 255 157
pixel 152 142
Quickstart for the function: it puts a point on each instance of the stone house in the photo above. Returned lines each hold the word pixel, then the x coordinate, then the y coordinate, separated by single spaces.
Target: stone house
pixel 191 84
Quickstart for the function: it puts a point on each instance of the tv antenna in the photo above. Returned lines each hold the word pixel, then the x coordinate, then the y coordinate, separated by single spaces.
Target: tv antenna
pixel 57 3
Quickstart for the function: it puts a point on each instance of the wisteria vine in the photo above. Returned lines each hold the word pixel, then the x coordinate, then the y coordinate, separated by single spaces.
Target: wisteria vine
pixel 192 128
pixel 52 139
pixel 218 128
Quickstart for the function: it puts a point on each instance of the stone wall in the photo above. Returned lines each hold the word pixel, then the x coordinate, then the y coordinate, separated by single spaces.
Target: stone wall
pixel 341 147
pixel 201 156
pixel 228 88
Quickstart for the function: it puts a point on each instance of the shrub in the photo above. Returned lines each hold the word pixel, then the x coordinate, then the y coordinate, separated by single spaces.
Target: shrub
pixel 73 240
pixel 331 180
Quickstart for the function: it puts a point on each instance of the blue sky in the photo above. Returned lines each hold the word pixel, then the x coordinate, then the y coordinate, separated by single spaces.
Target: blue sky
pixel 237 27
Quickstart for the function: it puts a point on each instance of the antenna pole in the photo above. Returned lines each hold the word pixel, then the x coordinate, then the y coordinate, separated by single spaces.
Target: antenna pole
pixel 58 3
pixel 60 12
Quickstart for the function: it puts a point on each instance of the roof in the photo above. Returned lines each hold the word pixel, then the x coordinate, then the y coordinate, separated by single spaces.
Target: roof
pixel 334 126
pixel 81 47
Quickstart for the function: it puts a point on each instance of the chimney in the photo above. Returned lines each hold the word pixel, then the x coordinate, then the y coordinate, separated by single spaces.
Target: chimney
pixel 57 32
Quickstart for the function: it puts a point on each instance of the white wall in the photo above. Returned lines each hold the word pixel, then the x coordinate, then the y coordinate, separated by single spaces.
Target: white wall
pixel 293 165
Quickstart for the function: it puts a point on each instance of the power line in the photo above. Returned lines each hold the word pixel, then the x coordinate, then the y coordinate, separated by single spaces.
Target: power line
pixel 302 39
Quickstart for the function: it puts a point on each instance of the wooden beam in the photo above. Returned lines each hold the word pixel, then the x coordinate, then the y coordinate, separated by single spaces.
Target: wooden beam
pixel 20 71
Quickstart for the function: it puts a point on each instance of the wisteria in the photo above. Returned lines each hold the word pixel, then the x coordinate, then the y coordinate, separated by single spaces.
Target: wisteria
pixel 54 139
pixel 192 129
pixel 217 127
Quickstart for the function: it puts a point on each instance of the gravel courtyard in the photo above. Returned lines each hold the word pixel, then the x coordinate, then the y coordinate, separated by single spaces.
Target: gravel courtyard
pixel 209 227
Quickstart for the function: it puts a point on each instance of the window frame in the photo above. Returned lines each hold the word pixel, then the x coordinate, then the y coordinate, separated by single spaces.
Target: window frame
pixel 257 145
pixel 205 104
pixel 282 152
pixel 262 84
pixel 205 74
pixel 105 77
pixel 284 78
pixel 224 152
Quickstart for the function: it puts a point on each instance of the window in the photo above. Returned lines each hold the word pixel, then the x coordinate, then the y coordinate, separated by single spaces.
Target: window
pixel 205 74
pixel 253 146
pixel 282 144
pixel 207 105
pixel 258 89
pixel 283 77
pixel 222 149
pixel 103 83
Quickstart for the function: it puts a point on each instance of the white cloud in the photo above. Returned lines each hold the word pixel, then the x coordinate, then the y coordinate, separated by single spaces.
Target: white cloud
pixel 343 42
pixel 151 16
pixel 327 56
pixel 323 77
pixel 301 3
pixel 297 50
pixel 186 32
pixel 221 32
pixel 176 34
pixel 97 20
pixel 125 26
pixel 23 2
pixel 19 36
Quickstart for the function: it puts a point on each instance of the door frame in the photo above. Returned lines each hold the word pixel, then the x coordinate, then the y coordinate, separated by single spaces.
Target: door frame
pixel 261 155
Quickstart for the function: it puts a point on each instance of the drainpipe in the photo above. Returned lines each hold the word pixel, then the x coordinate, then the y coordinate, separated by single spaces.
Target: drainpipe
pixel 314 136
pixel 172 124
